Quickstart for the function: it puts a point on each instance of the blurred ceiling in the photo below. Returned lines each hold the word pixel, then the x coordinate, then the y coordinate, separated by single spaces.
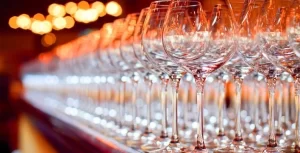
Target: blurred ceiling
pixel 9 8
pixel 18 46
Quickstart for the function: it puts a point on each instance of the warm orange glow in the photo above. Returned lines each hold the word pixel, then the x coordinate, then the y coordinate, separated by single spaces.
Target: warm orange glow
pixel 13 22
pixel 102 14
pixel 47 26
pixel 45 57
pixel 49 18
pixel 35 27
pixel 48 39
pixel 65 51
pixel 83 5
pixel 59 23
pixel 57 10
pixel 79 15
pixel 86 16
pixel 41 27
pixel 39 16
pixel 99 6
pixel 71 8
pixel 108 27
pixel 24 21
pixel 51 8
pixel 70 22
pixel 113 8
pixel 90 15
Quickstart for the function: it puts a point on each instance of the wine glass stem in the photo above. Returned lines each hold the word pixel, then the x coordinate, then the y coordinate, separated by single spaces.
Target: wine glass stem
pixel 175 85
pixel 297 101
pixel 271 82
pixel 200 101
pixel 148 103
pixel 279 131
pixel 122 90
pixel 220 107
pixel 164 132
pixel 286 102
pixel 185 106
pixel 238 98
pixel 256 105
pixel 134 107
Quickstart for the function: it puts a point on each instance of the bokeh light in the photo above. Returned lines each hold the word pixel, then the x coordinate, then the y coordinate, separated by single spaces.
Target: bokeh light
pixel 48 39
pixel 36 27
pixel 47 26
pixel 56 10
pixel 99 6
pixel 71 8
pixel 83 5
pixel 49 18
pixel 41 27
pixel 86 16
pixel 56 19
pixel 24 21
pixel 70 22
pixel 13 22
pixel 59 23
pixel 79 15
pixel 91 15
pixel 39 16
pixel 113 8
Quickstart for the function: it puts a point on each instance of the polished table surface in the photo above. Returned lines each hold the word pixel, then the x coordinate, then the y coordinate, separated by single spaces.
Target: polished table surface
pixel 70 137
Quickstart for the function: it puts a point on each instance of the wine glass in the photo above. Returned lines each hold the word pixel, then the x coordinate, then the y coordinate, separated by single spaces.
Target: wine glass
pixel 150 142
pixel 239 70
pixel 293 26
pixel 127 55
pixel 273 38
pixel 251 54
pixel 154 52
pixel 197 48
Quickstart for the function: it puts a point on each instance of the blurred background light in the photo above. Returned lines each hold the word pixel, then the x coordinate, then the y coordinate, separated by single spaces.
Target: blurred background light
pixel 24 21
pixel 56 10
pixel 39 16
pixel 71 8
pixel 48 39
pixel 99 6
pixel 79 15
pixel 36 27
pixel 49 18
pixel 83 5
pixel 90 15
pixel 70 22
pixel 59 23
pixel 113 8
pixel 13 22
pixel 47 26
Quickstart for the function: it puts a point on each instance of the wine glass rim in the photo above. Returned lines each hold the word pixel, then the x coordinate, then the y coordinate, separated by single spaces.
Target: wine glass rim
pixel 195 3
pixel 159 1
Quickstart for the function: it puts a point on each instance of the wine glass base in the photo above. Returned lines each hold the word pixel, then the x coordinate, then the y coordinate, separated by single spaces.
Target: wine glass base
pixel 200 151
pixel 235 149
pixel 134 139
pixel 187 136
pixel 147 137
pixel 121 135
pixel 289 149
pixel 176 148
pixel 156 145
pixel 272 150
